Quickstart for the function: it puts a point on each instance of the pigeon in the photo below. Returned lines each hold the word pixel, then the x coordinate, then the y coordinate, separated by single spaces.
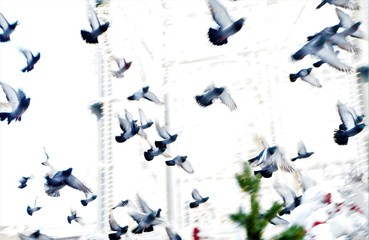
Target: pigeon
pixel 351 124
pixel 326 32
pixel 339 39
pixel 146 94
pixel 7 28
pixel 37 235
pixel 17 104
pixel 97 109
pixel 73 217
pixel 211 93
pixel 363 74
pixel 272 162
pixel 226 26
pixel 31 59
pixel 97 28
pixel 154 152
pixel 118 230
pixel 171 234
pixel 86 201
pixel 121 204
pixel 322 50
pixel 31 210
pixel 145 123
pixel 128 126
pixel 198 198
pixel 346 22
pixel 147 219
pixel 304 74
pixel 266 152
pixel 163 133
pixel 23 182
pixel 181 161
pixel 61 179
pixel 290 200
pixel 122 67
pixel 301 152
pixel 348 4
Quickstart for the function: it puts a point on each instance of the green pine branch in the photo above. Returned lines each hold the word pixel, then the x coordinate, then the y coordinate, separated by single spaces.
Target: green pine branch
pixel 254 222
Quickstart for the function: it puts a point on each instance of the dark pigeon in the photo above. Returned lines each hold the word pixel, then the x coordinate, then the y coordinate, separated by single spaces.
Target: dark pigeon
pixel 198 199
pixel 211 93
pixel 89 199
pixel 23 182
pixel 35 208
pixel 163 133
pixel 7 28
pixel 31 59
pixel 154 152
pixel 226 26
pixel 97 28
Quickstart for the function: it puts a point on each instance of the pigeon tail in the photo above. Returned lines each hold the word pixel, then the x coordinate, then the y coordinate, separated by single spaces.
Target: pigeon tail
pixel 88 37
pixel 217 37
pixel 148 155
pixel 318 64
pixel 194 204
pixel 293 77
pixel 340 137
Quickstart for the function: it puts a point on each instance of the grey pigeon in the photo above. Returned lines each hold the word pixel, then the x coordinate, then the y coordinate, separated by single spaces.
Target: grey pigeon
pixel 211 93
pixel 97 28
pixel 145 123
pixel 164 134
pixel 351 124
pixel 198 198
pixel 128 126
pixel 181 161
pixel 35 208
pixel 17 104
pixel 363 74
pixel 118 230
pixel 7 28
pixel 154 152
pixel 23 182
pixel 61 179
pixel 31 59
pixel 321 62
pixel 304 74
pixel 37 235
pixel 346 22
pixel 290 200
pixel 144 93
pixel 326 32
pixel 121 204
pixel 73 217
pixel 348 4
pixel 89 199
pixel 340 39
pixel 123 66
pixel 171 234
pixel 301 152
pixel 226 26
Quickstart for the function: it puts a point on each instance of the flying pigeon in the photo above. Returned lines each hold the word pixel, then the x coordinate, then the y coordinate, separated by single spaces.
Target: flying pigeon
pixel 290 200
pixel 171 234
pixel 61 179
pixel 31 210
pixel 321 62
pixel 163 133
pixel 226 26
pixel 339 39
pixel 23 182
pixel 154 152
pixel 145 123
pixel 326 32
pixel 122 67
pixel 351 124
pixel 265 153
pixel 17 104
pixel 73 217
pixel 31 59
pixel 128 126
pixel 304 74
pixel 322 50
pixel 211 93
pixel 121 204
pixel 7 28
pixel 346 22
pixel 198 198
pixel 86 201
pixel 97 109
pixel 348 4
pixel 37 235
pixel 97 28
pixel 146 94
pixel 118 230
pixel 181 161
pixel 301 152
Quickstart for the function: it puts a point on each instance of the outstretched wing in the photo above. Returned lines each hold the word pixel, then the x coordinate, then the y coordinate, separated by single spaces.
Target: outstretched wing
pixel 220 14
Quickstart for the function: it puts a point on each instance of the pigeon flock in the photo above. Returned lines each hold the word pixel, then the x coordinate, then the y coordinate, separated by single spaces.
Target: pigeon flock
pixel 315 208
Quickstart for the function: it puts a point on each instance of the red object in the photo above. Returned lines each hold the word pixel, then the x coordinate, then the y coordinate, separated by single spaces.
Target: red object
pixel 196 234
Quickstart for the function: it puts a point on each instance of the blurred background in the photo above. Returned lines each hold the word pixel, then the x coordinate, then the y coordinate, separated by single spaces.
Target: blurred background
pixel 166 40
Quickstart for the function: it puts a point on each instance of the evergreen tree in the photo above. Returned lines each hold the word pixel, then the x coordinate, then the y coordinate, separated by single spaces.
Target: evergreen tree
pixel 255 222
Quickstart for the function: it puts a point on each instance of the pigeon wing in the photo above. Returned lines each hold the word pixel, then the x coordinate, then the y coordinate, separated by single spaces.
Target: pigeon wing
pixel 220 14
pixel 113 223
pixel 75 183
pixel 345 115
pixel 161 131
pixel 143 205
pixel 326 53
pixel 186 165
pixel 196 195
pixel 301 149
pixel 152 97
pixel 312 81
pixel 4 24
pixel 92 18
pixel 286 193
pixel 226 98
pixel 11 94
